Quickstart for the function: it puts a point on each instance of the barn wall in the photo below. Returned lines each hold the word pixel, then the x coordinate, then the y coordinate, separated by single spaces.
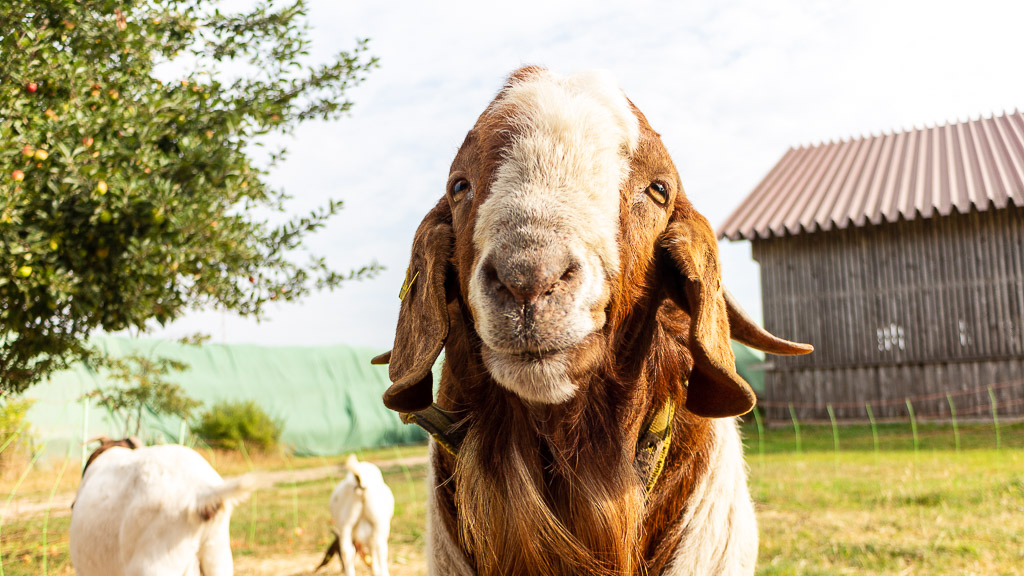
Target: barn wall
pixel 916 307
pixel 887 387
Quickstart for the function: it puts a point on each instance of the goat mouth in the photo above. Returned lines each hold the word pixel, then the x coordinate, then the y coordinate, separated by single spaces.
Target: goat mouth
pixel 539 376
pixel 534 355
pixel 529 355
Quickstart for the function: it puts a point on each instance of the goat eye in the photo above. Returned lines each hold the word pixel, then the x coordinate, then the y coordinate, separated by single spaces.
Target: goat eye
pixel 658 192
pixel 460 189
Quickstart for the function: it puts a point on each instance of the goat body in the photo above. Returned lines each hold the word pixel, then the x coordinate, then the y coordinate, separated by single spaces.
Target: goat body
pixel 575 291
pixel 158 510
pixel 361 509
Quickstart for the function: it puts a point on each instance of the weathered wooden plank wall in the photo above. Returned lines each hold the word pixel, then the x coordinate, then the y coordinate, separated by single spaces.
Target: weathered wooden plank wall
pixel 915 308
pixel 887 387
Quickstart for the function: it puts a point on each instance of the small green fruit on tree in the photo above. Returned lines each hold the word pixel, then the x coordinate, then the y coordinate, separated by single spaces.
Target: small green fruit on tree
pixel 146 180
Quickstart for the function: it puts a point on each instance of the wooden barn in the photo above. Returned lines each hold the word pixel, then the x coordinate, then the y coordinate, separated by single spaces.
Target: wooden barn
pixel 901 258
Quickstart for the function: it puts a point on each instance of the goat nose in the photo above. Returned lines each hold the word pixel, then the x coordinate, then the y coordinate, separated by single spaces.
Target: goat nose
pixel 527 280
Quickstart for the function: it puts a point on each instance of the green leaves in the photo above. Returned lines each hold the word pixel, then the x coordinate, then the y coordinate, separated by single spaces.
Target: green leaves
pixel 234 425
pixel 145 389
pixel 141 206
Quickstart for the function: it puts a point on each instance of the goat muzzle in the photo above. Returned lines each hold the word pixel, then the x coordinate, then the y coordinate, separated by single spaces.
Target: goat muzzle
pixel 529 281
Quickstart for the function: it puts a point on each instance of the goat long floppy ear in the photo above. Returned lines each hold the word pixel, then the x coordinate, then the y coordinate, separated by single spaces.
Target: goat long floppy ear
pixel 423 317
pixel 714 390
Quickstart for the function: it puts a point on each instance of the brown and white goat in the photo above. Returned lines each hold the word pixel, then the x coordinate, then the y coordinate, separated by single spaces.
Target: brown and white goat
pixel 575 291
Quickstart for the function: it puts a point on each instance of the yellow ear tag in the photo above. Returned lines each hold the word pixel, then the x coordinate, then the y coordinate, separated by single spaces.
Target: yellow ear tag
pixel 407 284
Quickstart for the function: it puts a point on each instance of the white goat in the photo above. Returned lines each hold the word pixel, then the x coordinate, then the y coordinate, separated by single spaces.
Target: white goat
pixel 155 511
pixel 361 508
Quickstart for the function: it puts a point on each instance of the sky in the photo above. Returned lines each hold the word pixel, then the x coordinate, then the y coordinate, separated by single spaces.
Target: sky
pixel 730 85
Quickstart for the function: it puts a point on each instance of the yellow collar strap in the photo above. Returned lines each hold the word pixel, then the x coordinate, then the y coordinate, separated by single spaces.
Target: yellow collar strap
pixel 652 448
pixel 651 451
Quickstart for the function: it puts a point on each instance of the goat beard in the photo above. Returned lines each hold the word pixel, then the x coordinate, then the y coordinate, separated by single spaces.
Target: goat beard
pixel 529 503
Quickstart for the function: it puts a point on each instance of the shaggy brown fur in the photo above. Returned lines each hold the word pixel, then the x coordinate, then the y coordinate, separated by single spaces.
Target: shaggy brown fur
pixel 552 489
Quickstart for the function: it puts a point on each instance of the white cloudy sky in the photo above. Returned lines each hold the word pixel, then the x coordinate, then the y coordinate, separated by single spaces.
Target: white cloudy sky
pixel 731 85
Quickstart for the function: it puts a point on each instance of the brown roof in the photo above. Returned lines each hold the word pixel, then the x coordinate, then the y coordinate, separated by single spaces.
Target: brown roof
pixel 976 164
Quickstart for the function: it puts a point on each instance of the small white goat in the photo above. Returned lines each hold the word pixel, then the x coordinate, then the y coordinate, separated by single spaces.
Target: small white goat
pixel 155 511
pixel 361 508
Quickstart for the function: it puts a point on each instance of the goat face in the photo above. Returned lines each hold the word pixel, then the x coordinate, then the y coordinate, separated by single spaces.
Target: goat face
pixel 537 224
pixel 560 207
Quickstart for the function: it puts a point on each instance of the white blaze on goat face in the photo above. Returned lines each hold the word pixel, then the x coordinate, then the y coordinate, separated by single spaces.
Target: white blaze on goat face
pixel 552 211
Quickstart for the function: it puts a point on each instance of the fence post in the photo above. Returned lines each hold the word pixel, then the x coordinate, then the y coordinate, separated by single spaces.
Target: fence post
pixel 210 451
pixel 85 431
pixel 952 412
pixel 995 415
pixel 874 428
pixel 796 429
pixel 913 425
pixel 835 435
pixel 760 438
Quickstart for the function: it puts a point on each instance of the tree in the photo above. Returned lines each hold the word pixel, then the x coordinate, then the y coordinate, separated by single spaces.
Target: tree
pixel 127 198
pixel 145 389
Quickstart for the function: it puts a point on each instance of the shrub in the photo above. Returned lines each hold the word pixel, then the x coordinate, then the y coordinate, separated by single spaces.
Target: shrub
pixel 13 431
pixel 227 424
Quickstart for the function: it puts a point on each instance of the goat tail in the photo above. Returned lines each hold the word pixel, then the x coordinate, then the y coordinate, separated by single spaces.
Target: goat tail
pixel 333 550
pixel 225 496
pixel 352 465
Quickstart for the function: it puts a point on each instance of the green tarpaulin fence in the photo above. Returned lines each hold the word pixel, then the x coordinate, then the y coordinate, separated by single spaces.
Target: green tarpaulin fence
pixel 329 398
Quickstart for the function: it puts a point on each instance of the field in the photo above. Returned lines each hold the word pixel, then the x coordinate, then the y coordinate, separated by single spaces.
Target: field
pixel 898 510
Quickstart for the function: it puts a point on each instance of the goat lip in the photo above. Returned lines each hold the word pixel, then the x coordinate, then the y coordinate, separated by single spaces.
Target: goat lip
pixel 530 355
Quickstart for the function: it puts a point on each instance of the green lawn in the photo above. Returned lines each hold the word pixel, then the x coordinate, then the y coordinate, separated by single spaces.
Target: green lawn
pixel 897 511
pixel 935 513
pixel 294 518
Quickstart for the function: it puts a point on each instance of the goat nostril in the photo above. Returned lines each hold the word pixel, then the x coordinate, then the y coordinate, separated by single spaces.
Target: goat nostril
pixel 570 273
pixel 524 281
pixel 494 282
pixel 491 276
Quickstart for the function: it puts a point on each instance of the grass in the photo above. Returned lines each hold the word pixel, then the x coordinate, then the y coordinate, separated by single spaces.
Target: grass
pixel 936 513
pixel 892 437
pixel 933 511
pixel 288 518
pixel 278 530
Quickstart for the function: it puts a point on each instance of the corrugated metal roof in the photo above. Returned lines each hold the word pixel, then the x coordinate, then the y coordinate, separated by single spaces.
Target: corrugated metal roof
pixel 978 164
